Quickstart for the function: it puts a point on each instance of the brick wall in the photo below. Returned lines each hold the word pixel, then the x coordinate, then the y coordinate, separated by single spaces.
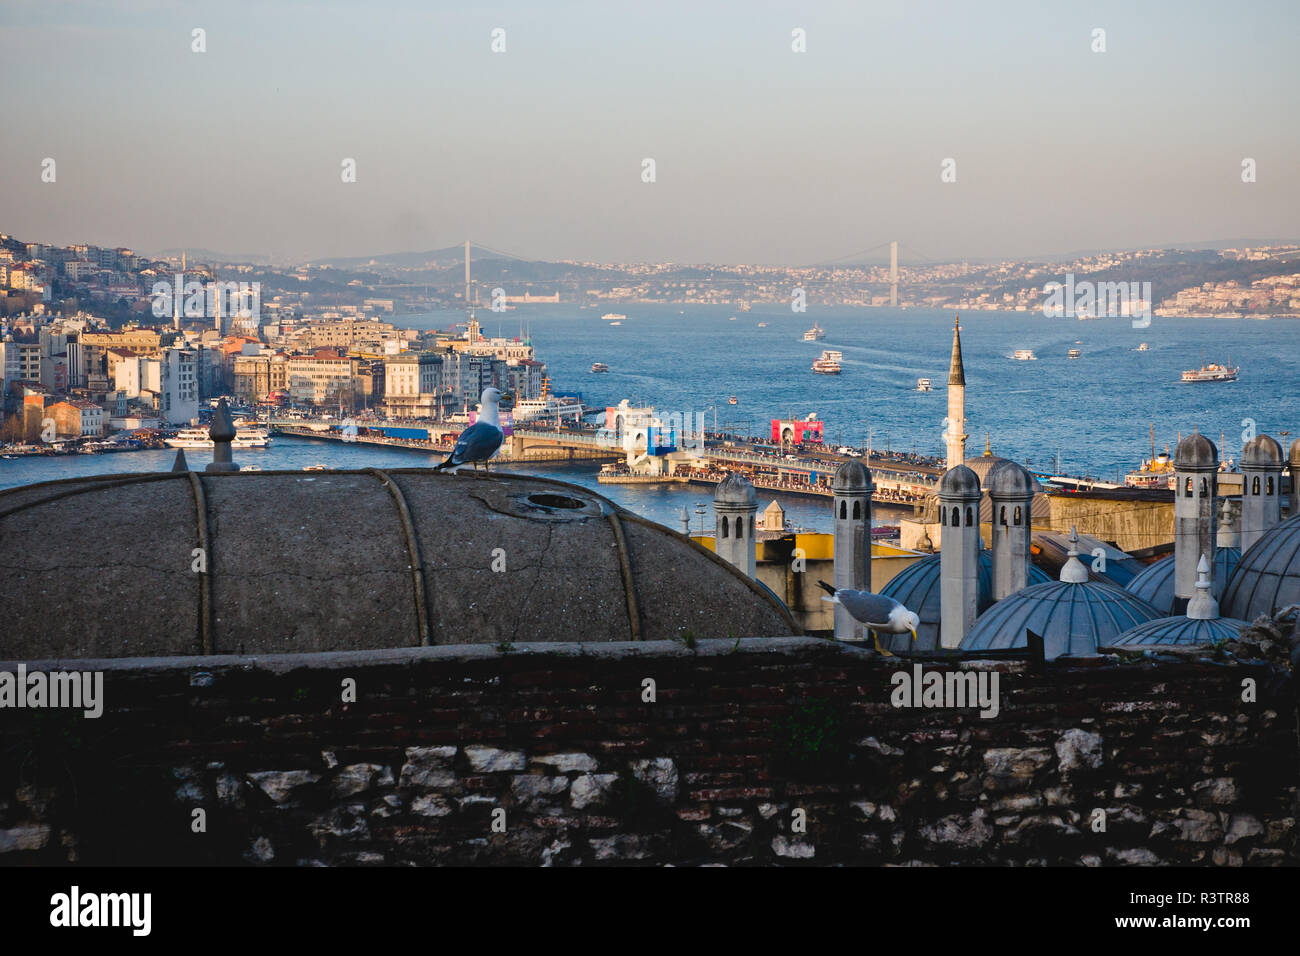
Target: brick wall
pixel 740 738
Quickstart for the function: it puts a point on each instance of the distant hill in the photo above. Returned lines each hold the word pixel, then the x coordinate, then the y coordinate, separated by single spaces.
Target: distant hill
pixel 434 259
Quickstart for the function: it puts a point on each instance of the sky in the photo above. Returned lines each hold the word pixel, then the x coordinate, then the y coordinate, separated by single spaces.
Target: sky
pixel 761 154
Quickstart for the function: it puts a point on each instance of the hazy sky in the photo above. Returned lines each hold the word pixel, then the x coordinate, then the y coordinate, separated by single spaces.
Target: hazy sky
pixel 762 154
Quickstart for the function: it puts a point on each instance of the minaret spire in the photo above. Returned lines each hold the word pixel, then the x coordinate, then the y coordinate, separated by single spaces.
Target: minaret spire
pixel 955 434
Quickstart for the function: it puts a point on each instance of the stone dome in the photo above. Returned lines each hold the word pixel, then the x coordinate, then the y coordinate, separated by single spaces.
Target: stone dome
pixel 986 464
pixel 851 476
pixel 1262 451
pixel 349 560
pixel 1196 453
pixel 1073 618
pixel 1267 578
pixel 1294 458
pixel 1010 480
pixel 1182 631
pixel 959 482
pixel 1155 583
pixel 916 587
pixel 736 489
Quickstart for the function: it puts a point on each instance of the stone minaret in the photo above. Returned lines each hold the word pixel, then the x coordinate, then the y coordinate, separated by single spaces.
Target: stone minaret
pixel 959 553
pixel 734 507
pixel 1261 488
pixel 1196 497
pixel 1011 491
pixel 1203 606
pixel 851 489
pixel 955 434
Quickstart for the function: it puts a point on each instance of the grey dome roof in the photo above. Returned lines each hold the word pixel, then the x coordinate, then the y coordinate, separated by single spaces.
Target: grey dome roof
pixel 1196 452
pixel 1155 583
pixel 1181 630
pixel 349 560
pixel 1262 450
pixel 1267 577
pixel 851 476
pixel 986 464
pixel 916 587
pixel 1090 612
pixel 1294 458
pixel 1010 480
pixel 959 482
pixel 736 489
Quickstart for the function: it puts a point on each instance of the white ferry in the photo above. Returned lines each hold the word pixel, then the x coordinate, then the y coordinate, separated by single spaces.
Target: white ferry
pixel 1024 355
pixel 599 367
pixel 614 323
pixel 1214 372
pixel 613 316
pixel 199 438
pixel 1073 353
pixel 828 363
pixel 924 385
pixel 1143 347
pixel 815 333
pixel 548 407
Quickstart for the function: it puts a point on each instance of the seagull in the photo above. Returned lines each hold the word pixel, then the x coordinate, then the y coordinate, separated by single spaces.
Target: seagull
pixel 877 612
pixel 481 441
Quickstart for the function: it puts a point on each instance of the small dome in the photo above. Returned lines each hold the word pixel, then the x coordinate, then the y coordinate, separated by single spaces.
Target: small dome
pixel 735 489
pixel 916 587
pixel 1010 480
pixel 1073 618
pixel 1155 583
pixel 1267 577
pixel 851 476
pixel 1182 631
pixel 986 464
pixel 959 482
pixel 1294 458
pixel 1196 452
pixel 1262 451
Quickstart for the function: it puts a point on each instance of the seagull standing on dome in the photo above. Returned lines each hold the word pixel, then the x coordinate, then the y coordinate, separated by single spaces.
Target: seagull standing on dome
pixel 481 441
pixel 877 612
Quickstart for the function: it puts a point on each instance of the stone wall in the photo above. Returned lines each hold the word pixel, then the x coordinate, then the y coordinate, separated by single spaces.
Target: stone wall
pixel 757 751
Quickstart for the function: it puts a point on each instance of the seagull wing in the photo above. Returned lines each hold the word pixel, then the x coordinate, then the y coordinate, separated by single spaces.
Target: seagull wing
pixel 867 608
pixel 476 443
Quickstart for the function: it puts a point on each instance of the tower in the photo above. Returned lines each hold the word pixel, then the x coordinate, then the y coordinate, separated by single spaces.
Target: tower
pixel 955 433
pixel 851 490
pixel 959 553
pixel 734 507
pixel 1293 459
pixel 1261 488
pixel 1011 492
pixel 1196 495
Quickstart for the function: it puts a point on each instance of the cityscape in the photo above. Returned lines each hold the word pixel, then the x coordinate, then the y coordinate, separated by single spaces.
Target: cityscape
pixel 756 503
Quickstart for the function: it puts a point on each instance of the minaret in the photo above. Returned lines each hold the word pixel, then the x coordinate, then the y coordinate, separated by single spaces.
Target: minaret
pixel 1196 496
pixel 734 507
pixel 851 490
pixel 959 553
pixel 955 434
pixel 1011 492
pixel 1261 488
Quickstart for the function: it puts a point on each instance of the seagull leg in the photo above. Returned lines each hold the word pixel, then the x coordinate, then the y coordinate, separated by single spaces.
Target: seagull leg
pixel 880 650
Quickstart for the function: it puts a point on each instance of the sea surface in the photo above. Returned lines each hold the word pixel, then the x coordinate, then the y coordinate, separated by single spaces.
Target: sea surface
pixel 1093 412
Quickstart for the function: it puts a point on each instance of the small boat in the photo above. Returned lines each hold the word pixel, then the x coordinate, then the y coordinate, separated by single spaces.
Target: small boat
pixel 314 468
pixel 251 468
pixel 762 325
pixel 732 319
pixel 732 400
pixel 815 333
pixel 828 363
pixel 924 385
pixel 599 367
pixel 1073 353
pixel 611 316
pixel 614 323
pixel 1143 347
pixel 1024 355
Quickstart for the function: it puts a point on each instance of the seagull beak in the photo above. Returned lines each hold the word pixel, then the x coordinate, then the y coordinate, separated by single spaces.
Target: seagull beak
pixel 913 630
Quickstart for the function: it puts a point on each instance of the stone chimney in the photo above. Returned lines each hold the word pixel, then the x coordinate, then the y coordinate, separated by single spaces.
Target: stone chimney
pixel 222 433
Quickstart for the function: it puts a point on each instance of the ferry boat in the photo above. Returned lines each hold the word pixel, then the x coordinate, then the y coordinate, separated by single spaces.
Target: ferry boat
pixel 614 323
pixel 732 400
pixel 1073 353
pixel 924 385
pixel 815 333
pixel 599 367
pixel 1214 372
pixel 314 468
pixel 1024 355
pixel 612 316
pixel 1143 347
pixel 828 363
pixel 762 325
pixel 199 438
pixel 547 406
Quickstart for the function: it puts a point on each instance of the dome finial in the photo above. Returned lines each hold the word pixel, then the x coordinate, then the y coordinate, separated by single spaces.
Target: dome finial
pixel 1073 571
pixel 1203 606
pixel 988 449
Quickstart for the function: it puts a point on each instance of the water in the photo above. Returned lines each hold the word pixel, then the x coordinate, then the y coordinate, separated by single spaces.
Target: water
pixel 1094 411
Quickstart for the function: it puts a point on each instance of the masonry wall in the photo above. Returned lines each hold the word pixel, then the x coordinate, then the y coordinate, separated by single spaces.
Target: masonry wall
pixel 739 738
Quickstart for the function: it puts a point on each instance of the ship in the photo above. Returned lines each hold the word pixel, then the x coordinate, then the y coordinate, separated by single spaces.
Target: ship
pixel 1143 347
pixel 614 323
pixel 547 406
pixel 762 325
pixel 1073 353
pixel 815 333
pixel 599 367
pixel 612 316
pixel 1024 355
pixel 1154 472
pixel 732 400
pixel 1213 372
pixel 828 363
pixel 923 385
pixel 199 438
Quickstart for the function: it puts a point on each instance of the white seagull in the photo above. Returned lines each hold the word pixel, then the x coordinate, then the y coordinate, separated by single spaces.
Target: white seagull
pixel 877 612
pixel 481 441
